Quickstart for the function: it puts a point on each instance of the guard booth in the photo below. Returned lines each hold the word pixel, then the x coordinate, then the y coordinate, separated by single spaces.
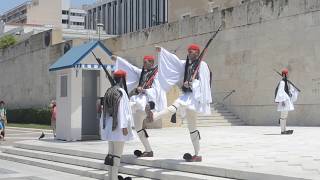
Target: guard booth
pixel 80 82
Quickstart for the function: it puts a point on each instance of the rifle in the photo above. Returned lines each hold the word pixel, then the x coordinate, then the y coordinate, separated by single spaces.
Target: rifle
pixel 205 50
pixel 288 81
pixel 146 83
pixel 111 80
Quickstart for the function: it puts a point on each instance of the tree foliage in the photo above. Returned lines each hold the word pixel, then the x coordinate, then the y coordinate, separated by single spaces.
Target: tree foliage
pixel 7 41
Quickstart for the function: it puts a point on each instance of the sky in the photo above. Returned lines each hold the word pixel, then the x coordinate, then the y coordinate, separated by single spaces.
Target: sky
pixel 8 4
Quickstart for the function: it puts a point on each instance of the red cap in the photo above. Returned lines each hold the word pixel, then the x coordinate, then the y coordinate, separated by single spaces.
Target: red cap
pixel 194 47
pixel 119 73
pixel 148 58
pixel 285 71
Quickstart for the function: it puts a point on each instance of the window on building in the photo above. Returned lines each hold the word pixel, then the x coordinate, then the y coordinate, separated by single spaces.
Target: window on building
pixel 131 15
pixel 115 18
pixel 64 21
pixel 99 14
pixel 64 86
pixel 158 12
pixel 120 20
pixel 94 20
pixel 150 13
pixel 138 15
pixel 104 16
pixel 77 14
pixel 88 20
pixel 125 16
pixel 165 7
pixel 65 12
pixel 109 18
pixel 144 11
pixel 77 23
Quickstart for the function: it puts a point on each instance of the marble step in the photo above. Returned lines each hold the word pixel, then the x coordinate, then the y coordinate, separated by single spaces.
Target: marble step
pixel 164 163
pixel 212 124
pixel 132 169
pixel 217 117
pixel 67 168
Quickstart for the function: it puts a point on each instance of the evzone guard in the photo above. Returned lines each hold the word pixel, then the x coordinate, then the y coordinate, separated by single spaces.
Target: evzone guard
pixel 145 90
pixel 286 94
pixel 193 75
pixel 117 123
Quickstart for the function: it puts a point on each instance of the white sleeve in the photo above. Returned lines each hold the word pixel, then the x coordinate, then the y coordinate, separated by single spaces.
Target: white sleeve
pixel 281 94
pixel 125 119
pixel 171 69
pixel 133 73
pixel 294 93
pixel 204 78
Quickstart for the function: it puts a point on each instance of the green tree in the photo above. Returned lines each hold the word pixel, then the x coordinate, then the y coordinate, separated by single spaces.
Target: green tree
pixel 7 41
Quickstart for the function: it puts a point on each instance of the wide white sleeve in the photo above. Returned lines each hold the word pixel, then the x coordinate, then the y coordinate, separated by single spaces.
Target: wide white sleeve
pixel 171 69
pixel 125 119
pixel 294 93
pixel 204 78
pixel 133 73
pixel 281 94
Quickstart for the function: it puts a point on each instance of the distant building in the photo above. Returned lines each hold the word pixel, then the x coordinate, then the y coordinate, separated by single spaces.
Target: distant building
pixel 123 16
pixel 49 13
pixel 72 18
pixel 36 12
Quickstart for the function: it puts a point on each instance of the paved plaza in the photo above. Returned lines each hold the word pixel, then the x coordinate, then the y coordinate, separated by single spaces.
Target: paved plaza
pixel 231 152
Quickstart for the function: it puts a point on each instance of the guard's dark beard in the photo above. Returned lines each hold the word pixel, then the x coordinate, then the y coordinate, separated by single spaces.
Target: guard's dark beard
pixel 192 57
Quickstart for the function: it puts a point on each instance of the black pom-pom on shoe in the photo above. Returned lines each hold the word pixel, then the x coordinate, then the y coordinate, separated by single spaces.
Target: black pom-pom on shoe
pixel 187 156
pixel 137 153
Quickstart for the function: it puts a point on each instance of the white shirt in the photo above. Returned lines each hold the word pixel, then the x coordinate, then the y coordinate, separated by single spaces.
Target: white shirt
pixel 285 102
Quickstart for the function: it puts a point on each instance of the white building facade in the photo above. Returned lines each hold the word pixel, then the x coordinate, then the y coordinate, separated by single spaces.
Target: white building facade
pixel 57 14
pixel 72 18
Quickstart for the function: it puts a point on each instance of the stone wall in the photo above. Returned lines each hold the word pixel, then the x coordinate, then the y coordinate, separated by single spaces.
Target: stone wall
pixel 25 80
pixel 257 37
